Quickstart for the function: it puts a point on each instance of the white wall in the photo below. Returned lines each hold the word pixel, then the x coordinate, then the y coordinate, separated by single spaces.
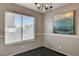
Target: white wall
pixel 22 46
pixel 65 44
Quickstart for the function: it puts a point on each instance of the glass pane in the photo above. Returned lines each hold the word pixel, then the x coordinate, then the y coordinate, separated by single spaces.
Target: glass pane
pixel 12 27
pixel 28 28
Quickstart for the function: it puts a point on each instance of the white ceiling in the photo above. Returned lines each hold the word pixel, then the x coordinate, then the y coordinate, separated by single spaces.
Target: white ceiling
pixel 32 6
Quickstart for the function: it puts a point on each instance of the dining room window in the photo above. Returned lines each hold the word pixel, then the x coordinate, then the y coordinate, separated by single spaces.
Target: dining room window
pixel 18 27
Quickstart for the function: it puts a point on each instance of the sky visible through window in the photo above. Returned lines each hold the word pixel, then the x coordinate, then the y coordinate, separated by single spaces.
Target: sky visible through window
pixel 27 20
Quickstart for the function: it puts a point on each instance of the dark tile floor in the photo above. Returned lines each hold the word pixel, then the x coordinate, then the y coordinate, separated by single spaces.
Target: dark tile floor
pixel 41 51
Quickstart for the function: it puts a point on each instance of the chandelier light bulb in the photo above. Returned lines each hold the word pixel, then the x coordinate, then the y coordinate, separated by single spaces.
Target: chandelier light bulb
pixel 44 6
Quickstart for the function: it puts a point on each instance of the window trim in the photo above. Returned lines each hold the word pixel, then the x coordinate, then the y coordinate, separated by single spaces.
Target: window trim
pixel 21 41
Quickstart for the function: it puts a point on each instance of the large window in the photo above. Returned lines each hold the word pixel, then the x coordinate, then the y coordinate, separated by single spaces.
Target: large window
pixel 18 27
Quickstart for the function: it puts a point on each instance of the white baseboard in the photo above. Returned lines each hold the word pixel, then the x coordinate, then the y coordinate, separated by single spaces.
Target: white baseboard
pixel 40 46
pixel 23 51
pixel 58 51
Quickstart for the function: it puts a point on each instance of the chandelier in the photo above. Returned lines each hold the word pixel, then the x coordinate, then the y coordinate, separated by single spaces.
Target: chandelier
pixel 44 6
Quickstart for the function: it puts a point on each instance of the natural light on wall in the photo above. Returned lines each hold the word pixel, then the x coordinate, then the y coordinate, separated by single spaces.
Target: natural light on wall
pixel 18 27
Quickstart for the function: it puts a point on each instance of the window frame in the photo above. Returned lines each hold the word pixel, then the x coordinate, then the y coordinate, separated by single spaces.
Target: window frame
pixel 29 40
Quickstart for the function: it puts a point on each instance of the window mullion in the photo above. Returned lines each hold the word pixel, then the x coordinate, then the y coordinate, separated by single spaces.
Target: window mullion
pixel 21 27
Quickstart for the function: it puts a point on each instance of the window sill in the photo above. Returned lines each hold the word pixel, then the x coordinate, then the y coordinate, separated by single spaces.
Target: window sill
pixel 22 41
